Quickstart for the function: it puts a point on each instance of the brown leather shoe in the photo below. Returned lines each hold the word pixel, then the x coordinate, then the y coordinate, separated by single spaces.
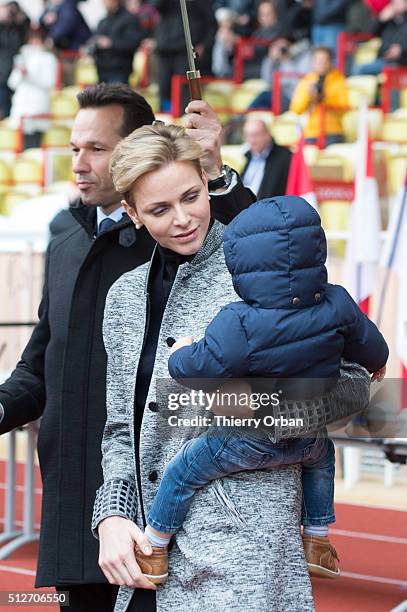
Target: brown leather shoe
pixel 155 566
pixel 321 556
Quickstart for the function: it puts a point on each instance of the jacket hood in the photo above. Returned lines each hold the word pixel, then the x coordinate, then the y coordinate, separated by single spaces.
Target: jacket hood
pixel 275 251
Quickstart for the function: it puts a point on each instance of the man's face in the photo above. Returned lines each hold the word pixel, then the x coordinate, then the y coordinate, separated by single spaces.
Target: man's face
pixel 95 133
pixel 266 15
pixel 111 5
pixel 256 135
pixel 400 6
pixel 321 63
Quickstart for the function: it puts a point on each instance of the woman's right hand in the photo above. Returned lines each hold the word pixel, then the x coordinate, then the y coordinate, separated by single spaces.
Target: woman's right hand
pixel 117 560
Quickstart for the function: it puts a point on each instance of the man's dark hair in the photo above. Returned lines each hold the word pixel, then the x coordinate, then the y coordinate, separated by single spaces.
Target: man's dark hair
pixel 136 110
pixel 321 49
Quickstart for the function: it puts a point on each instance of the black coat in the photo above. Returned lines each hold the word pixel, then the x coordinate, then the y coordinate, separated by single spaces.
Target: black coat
pixel 61 375
pixel 124 30
pixel 275 172
pixel 12 36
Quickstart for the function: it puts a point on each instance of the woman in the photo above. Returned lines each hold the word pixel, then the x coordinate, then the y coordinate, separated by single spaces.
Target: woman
pixel 252 558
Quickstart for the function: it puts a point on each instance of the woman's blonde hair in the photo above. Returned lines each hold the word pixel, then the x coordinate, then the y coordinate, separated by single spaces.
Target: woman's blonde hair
pixel 147 149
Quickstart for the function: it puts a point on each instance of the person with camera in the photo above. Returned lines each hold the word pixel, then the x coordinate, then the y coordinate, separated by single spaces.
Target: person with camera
pixel 323 94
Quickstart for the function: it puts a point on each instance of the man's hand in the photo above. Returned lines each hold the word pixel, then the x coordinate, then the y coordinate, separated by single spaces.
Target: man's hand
pixel 379 375
pixel 185 341
pixel 393 52
pixel 103 42
pixel 117 560
pixel 202 124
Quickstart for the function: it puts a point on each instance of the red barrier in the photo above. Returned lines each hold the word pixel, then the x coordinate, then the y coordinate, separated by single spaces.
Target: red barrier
pixel 244 50
pixel 277 89
pixel 346 45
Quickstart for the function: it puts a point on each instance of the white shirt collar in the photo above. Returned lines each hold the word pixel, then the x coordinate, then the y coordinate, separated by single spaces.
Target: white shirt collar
pixel 116 215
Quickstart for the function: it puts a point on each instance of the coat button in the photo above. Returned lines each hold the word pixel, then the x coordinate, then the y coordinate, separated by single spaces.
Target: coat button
pixel 153 406
pixel 153 476
pixel 296 301
pixel 317 297
pixel 170 341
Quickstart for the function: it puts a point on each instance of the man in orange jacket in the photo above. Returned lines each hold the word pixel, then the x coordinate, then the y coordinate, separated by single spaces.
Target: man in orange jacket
pixel 323 94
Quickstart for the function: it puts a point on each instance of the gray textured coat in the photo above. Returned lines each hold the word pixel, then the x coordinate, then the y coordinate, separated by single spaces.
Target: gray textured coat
pixel 240 546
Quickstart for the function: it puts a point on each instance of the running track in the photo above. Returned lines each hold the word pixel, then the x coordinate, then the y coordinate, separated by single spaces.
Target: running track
pixel 371 543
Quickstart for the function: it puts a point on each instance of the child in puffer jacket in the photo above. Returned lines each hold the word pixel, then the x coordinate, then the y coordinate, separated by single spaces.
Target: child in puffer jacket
pixel 291 323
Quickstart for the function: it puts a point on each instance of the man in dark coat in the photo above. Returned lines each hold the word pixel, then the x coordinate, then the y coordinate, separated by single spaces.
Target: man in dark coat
pixel 116 39
pixel 14 26
pixel 61 374
pixel 266 170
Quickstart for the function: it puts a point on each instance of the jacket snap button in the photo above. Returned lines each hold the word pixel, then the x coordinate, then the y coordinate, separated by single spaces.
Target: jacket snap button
pixel 153 476
pixel 317 297
pixel 153 406
pixel 170 341
pixel 296 301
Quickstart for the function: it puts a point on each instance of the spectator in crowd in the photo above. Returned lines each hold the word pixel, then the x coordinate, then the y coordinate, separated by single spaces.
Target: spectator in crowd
pixel 323 93
pixel 266 170
pixel 115 42
pixel 65 24
pixel 268 28
pixel 32 79
pixel 14 25
pixel 287 58
pixel 246 14
pixel 294 16
pixel 358 17
pixel 225 40
pixel 391 26
pixel 146 14
pixel 170 47
pixel 328 19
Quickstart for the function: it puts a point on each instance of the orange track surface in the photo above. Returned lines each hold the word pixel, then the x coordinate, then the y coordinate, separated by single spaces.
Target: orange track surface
pixel 371 543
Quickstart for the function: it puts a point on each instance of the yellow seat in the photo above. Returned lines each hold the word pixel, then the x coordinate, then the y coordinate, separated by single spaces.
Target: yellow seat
pixel 27 170
pixel 311 154
pixel 396 172
pixel 367 51
pixel 85 72
pixel 256 86
pixel 350 124
pixel 13 198
pixel 233 156
pixel 362 86
pixel 57 136
pixel 6 175
pixel 64 107
pixel 9 138
pixel 152 96
pixel 60 167
pixel 240 99
pixel 403 98
pixel 285 129
pixel 335 216
pixel 394 129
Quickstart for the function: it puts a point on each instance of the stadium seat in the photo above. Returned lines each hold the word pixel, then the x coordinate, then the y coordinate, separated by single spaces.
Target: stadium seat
pixel 367 51
pixel 57 136
pixel 403 98
pixel 350 124
pixel 151 95
pixel 63 107
pixel 233 156
pixel 396 172
pixel 5 174
pixel 394 128
pixel 85 72
pixel 285 129
pixel 311 154
pixel 240 99
pixel 27 171
pixel 14 197
pixel 255 86
pixel 362 86
pixel 335 216
pixel 9 138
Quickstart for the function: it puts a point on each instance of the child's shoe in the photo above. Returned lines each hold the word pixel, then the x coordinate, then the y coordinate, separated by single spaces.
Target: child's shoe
pixel 321 556
pixel 155 566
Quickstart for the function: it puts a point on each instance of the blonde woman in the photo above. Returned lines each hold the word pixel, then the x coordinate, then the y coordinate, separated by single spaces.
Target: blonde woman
pixel 240 546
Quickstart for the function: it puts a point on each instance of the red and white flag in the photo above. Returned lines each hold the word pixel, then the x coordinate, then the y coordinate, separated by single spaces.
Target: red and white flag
pixel 363 245
pixel 299 180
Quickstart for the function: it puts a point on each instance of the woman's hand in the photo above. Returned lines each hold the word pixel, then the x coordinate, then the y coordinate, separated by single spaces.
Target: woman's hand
pixel 185 341
pixel 202 124
pixel 379 375
pixel 117 560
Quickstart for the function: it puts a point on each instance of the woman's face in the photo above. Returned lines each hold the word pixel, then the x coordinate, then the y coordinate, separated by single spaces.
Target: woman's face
pixel 173 204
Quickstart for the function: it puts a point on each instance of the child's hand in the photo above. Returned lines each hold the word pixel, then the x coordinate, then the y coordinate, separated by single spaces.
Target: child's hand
pixel 185 341
pixel 379 375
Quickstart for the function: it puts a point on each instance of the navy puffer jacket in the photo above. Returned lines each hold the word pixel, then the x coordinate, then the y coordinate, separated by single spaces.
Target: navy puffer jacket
pixel 291 321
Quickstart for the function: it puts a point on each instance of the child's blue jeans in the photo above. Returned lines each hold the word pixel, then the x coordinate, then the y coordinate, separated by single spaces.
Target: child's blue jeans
pixel 221 451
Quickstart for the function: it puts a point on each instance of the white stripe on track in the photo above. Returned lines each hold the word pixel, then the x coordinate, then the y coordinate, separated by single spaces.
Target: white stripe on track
pixel 17 570
pixel 368 536
pixel 380 579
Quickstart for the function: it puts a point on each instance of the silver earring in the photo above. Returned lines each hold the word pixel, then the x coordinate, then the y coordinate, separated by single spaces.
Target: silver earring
pixel 138 226
pixel 209 197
